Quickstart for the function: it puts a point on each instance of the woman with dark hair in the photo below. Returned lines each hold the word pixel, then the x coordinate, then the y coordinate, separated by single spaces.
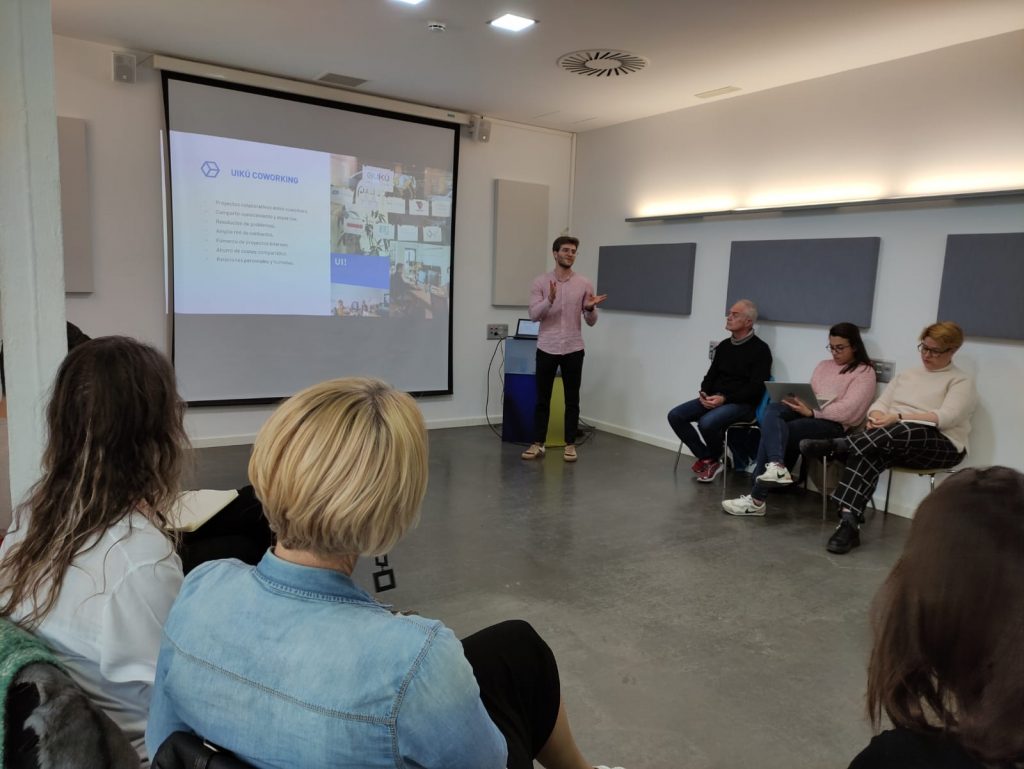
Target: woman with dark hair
pixel 946 666
pixel 844 384
pixel 921 420
pixel 88 565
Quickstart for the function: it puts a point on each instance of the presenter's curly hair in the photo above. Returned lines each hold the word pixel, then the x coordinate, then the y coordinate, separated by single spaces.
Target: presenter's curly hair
pixel 116 445
pixel 341 468
pixel 949 620
pixel 561 240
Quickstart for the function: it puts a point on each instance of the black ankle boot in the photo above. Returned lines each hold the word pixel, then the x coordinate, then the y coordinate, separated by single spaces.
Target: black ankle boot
pixel 818 448
pixel 844 538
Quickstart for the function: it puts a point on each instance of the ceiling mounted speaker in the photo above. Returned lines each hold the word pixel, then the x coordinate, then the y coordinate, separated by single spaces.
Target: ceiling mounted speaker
pixel 124 67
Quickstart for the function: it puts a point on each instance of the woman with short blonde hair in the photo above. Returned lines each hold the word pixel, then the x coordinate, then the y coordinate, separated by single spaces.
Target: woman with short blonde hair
pixel 290 663
pixel 341 468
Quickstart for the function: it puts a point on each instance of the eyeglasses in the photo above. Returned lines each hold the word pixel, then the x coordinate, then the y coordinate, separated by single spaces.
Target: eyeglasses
pixel 931 352
pixel 735 315
pixel 837 347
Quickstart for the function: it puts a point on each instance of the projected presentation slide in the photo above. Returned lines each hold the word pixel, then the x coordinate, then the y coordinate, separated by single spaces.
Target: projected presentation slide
pixel 310 240
pixel 270 230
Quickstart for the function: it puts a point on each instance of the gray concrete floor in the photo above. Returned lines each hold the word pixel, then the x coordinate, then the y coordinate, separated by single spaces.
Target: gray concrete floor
pixel 685 637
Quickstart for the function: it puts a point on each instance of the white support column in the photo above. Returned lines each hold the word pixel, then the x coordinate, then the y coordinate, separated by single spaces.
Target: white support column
pixel 31 253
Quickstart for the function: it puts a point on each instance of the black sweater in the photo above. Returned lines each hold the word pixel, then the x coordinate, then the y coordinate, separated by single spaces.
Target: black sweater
pixel 739 371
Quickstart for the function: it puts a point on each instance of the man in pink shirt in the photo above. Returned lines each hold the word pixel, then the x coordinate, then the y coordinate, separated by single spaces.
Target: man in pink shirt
pixel 558 299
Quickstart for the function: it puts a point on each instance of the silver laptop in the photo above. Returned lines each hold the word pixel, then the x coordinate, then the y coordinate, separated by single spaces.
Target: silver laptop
pixel 779 391
pixel 527 329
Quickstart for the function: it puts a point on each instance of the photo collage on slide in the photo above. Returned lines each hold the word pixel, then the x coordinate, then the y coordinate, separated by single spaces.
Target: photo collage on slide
pixel 390 239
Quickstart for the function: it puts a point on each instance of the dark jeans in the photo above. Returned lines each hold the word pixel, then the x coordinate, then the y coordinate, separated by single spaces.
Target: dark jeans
pixel 572 374
pixel 519 687
pixel 782 429
pixel 711 422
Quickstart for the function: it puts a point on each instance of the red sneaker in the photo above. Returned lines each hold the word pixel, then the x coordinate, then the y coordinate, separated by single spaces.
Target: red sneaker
pixel 699 465
pixel 710 471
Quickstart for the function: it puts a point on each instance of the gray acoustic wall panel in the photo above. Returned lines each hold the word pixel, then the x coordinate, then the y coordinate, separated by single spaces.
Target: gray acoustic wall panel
pixel 818 282
pixel 74 205
pixel 522 250
pixel 983 284
pixel 647 278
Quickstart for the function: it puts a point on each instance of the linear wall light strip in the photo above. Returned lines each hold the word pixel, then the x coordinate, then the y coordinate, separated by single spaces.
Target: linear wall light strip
pixel 912 199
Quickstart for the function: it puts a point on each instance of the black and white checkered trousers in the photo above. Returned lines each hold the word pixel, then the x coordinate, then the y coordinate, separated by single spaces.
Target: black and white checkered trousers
pixel 921 447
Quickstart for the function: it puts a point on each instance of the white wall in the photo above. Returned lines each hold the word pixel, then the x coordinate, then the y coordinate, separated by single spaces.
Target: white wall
pixel 123 124
pixel 951 119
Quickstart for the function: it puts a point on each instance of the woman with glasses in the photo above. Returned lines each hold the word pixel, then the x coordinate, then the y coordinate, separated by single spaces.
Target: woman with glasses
pixel 845 384
pixel 921 421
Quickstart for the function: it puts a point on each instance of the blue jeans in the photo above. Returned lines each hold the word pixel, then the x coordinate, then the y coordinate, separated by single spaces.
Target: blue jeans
pixel 782 429
pixel 710 422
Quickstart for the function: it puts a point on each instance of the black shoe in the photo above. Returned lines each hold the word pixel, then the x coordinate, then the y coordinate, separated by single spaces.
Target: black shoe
pixel 843 539
pixel 817 448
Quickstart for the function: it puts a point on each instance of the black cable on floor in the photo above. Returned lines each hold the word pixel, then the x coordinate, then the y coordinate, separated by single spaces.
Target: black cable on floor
pixel 487 396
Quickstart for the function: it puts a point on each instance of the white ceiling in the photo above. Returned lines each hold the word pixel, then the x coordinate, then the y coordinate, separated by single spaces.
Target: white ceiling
pixel 692 45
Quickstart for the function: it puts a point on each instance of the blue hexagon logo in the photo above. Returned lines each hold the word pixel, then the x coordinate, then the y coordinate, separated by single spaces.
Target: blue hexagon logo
pixel 210 169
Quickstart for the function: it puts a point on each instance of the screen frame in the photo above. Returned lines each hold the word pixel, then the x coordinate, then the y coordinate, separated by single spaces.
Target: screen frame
pixel 287 95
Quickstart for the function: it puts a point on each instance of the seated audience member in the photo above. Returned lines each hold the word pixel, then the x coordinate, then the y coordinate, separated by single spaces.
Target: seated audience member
pixel 946 664
pixel 730 392
pixel 75 337
pixel 844 384
pixel 291 664
pixel 921 421
pixel 87 565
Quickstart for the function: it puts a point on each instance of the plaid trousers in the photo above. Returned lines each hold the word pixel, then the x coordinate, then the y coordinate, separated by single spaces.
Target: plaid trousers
pixel 921 447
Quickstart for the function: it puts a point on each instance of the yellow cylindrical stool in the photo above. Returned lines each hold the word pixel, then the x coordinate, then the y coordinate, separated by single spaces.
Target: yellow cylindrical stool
pixel 556 419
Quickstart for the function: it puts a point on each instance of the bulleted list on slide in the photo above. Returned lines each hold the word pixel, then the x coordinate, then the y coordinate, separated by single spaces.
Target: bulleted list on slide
pixel 252 226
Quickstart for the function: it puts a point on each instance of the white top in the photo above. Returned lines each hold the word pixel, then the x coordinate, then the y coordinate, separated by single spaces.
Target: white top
pixel 107 621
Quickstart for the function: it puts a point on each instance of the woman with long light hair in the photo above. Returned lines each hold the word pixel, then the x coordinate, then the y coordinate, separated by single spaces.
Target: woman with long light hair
pixel 88 564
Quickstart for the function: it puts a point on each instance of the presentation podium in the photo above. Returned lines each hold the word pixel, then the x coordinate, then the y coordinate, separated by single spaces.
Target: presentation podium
pixel 521 396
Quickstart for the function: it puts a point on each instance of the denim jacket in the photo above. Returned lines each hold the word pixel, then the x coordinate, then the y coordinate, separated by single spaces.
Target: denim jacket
pixel 290 666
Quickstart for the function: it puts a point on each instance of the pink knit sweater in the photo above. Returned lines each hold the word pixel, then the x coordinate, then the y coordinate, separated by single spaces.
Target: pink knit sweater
pixel 846 396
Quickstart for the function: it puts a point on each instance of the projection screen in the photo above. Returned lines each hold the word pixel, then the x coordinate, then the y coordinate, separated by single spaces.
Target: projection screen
pixel 308 240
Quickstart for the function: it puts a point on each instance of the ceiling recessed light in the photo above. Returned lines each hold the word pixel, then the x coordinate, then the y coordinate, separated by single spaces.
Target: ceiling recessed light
pixel 512 22
pixel 411 2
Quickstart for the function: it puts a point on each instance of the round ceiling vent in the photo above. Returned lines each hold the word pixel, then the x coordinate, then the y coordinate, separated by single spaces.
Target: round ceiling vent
pixel 602 63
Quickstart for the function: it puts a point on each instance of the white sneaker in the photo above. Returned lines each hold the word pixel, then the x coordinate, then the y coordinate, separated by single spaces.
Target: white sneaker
pixel 775 475
pixel 744 505
pixel 602 766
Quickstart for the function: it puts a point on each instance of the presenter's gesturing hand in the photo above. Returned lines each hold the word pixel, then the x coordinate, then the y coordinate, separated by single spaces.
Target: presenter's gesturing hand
pixel 593 301
pixel 552 290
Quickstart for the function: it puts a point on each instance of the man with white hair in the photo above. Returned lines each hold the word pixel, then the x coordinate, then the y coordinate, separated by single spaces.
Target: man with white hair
pixel 730 392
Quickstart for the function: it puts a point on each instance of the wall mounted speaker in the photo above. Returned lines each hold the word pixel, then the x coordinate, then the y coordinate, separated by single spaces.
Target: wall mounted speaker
pixel 124 67
pixel 480 129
